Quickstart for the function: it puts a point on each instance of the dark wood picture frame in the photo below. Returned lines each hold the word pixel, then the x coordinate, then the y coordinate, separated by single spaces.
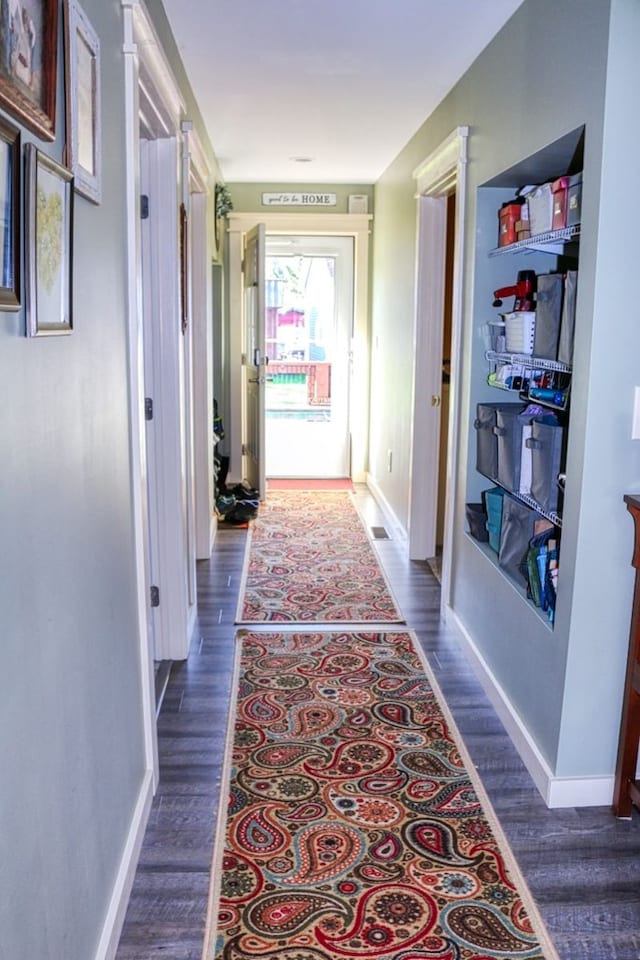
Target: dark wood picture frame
pixel 29 63
pixel 10 174
pixel 49 245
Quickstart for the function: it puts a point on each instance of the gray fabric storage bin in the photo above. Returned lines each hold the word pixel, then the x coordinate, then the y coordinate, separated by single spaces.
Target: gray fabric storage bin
pixel 486 439
pixel 511 434
pixel 477 520
pixel 567 322
pixel 546 456
pixel 548 314
pixel 518 522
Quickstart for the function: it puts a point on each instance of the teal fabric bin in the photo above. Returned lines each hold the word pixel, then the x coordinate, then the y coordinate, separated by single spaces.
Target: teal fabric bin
pixel 493 501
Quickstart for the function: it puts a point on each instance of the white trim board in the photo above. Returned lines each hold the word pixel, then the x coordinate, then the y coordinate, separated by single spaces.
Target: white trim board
pixel 555 791
pixel 114 920
pixel 396 527
pixel 136 390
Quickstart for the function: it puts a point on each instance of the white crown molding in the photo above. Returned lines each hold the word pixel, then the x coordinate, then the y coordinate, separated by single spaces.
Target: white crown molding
pixel 439 171
pixel 161 103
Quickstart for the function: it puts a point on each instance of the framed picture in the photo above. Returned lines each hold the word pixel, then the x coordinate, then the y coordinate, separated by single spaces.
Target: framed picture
pixel 84 135
pixel 28 63
pixel 9 216
pixel 184 269
pixel 49 244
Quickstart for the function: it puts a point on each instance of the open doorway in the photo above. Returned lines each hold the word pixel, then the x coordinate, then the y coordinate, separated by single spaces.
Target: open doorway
pixel 436 561
pixel 308 333
pixel 440 192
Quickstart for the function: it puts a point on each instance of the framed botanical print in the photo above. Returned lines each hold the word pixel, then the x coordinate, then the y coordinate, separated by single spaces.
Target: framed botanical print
pixel 49 244
pixel 28 63
pixel 10 161
pixel 84 133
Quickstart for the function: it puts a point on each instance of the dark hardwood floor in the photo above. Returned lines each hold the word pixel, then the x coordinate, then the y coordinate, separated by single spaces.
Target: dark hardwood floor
pixel 581 865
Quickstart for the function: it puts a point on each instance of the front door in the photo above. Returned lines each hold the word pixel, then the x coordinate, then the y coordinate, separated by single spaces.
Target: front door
pixel 309 321
pixel 254 360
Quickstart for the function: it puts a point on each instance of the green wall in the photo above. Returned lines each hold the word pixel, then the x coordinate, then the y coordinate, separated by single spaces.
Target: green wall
pixel 71 736
pixel 554 67
pixel 247 197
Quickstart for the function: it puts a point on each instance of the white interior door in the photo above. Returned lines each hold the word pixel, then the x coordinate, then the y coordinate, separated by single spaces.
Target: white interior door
pixel 254 360
pixel 309 320
pixel 423 514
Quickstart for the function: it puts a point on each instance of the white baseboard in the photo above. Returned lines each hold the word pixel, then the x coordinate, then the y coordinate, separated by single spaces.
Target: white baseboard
pixel 397 529
pixel 555 791
pixel 112 928
pixel 213 532
pixel 192 623
pixel 580 792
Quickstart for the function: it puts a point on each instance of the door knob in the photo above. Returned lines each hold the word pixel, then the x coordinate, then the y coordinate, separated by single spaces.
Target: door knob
pixel 435 400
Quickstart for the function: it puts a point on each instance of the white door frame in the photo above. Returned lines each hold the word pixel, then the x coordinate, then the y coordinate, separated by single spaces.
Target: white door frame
pixel 441 173
pixel 304 445
pixel 200 189
pixel 353 225
pixel 254 360
pixel 202 341
pixel 154 104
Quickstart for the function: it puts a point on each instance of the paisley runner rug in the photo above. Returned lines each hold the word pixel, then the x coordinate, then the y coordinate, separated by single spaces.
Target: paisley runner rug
pixel 352 823
pixel 309 560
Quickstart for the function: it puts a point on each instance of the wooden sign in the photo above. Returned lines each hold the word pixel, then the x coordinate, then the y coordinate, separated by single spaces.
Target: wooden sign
pixel 299 199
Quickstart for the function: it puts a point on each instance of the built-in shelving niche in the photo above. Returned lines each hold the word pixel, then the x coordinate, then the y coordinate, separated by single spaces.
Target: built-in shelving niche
pixel 563 156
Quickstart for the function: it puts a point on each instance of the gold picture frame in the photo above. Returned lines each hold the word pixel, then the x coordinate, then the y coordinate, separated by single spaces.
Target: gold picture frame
pixel 49 245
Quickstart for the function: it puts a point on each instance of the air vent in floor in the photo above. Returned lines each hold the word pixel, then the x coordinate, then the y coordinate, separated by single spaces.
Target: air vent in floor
pixel 379 533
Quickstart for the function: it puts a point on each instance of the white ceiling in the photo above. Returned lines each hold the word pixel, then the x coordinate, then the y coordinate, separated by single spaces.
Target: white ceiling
pixel 344 82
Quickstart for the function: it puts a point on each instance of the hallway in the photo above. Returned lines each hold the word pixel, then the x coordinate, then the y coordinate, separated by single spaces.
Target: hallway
pixel 580 864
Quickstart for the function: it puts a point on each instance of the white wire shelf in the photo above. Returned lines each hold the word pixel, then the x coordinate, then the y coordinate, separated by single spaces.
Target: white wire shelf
pixel 525 360
pixel 551 242
pixel 551 515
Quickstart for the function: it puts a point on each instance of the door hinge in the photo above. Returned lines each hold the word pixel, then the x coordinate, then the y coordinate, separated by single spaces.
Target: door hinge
pixel 144 206
pixel 155 596
pixel 242 265
pixel 148 408
pixel 245 450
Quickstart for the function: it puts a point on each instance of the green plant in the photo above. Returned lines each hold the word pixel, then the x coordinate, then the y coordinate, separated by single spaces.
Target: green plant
pixel 224 203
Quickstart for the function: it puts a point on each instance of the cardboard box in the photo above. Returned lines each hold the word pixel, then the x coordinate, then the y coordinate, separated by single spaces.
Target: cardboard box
pixel 540 204
pixel 560 189
pixel 508 216
pixel 574 200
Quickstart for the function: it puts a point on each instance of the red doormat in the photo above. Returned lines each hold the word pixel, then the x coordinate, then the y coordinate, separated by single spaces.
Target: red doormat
pixel 352 822
pixel 284 483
